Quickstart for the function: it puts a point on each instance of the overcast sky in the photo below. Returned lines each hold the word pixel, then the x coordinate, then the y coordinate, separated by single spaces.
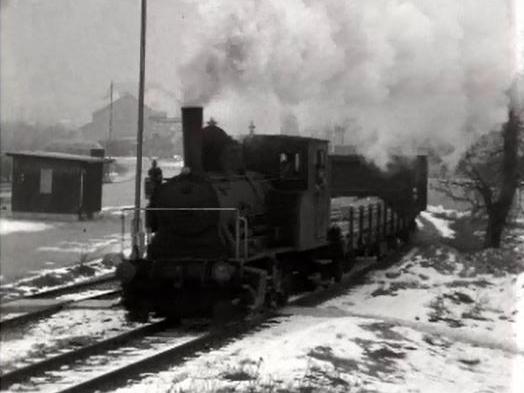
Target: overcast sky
pixel 59 56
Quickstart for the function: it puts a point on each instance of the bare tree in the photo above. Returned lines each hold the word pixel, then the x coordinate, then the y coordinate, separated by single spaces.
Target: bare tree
pixel 489 175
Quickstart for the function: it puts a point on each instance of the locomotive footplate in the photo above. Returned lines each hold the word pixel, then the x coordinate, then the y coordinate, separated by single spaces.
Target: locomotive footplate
pixel 197 273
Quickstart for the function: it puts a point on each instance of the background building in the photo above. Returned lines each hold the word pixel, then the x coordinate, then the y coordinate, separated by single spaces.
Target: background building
pixel 114 126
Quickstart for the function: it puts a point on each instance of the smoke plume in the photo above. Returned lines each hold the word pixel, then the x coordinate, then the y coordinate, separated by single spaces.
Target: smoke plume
pixel 402 74
pixel 397 74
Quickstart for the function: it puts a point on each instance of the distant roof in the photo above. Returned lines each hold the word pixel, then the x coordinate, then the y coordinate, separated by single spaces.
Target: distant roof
pixel 58 156
pixel 128 98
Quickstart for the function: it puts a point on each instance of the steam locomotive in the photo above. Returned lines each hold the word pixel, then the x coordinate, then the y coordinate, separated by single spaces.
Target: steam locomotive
pixel 245 221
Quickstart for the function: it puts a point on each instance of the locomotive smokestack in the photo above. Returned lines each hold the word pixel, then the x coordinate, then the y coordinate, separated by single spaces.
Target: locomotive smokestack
pixel 192 136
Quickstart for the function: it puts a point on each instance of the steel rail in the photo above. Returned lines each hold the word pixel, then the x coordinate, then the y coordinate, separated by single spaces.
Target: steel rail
pixel 47 311
pixel 24 373
pixel 66 288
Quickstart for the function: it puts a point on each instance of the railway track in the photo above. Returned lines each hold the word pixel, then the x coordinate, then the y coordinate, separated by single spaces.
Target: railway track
pixel 57 362
pixel 19 311
pixel 66 289
pixel 111 362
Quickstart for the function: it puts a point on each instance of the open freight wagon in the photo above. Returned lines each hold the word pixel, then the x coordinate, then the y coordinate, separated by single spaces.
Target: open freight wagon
pixel 372 205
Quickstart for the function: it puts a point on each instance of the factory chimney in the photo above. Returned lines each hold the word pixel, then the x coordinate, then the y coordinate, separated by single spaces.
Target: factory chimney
pixel 192 137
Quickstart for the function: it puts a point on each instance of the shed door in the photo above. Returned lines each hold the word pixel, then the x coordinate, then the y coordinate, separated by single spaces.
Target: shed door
pixel 66 190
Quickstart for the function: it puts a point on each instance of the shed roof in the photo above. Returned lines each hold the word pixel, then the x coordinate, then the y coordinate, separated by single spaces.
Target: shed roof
pixel 58 156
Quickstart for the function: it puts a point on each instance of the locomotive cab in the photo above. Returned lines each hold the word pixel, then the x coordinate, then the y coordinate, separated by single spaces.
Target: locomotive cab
pixel 299 201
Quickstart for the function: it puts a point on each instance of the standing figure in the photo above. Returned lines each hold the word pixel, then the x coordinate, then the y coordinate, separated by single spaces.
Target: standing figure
pixel 152 182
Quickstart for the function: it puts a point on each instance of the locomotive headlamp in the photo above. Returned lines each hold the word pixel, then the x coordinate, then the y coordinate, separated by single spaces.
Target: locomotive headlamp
pixel 222 271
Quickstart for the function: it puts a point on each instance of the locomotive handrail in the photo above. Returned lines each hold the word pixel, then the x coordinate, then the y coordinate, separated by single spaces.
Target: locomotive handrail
pixel 182 208
pixel 244 221
pixel 238 220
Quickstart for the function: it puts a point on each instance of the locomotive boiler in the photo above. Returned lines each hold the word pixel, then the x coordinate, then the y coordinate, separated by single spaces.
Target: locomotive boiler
pixel 245 220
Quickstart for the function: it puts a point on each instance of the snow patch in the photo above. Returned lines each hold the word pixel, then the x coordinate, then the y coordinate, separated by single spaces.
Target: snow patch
pixel 448 213
pixel 440 224
pixel 9 226
pixel 48 279
pixel 80 247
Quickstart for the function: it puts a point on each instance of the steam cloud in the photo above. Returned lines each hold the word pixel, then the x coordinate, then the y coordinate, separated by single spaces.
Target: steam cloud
pixel 399 74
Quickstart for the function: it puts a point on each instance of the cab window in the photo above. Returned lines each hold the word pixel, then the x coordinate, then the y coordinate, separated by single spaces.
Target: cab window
pixel 321 159
pixel 290 165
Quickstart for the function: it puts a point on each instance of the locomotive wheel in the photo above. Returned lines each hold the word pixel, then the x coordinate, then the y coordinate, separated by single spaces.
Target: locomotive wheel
pixel 224 311
pixel 280 286
pixel 137 308
pixel 255 288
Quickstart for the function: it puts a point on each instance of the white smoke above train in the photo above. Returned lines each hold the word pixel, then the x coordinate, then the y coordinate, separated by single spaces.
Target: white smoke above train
pixel 395 73
pixel 400 74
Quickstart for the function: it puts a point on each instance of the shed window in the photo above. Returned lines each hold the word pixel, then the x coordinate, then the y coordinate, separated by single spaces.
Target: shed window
pixel 46 181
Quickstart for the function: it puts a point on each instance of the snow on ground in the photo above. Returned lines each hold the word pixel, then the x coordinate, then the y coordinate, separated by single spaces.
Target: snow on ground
pixel 437 321
pixel 9 226
pixel 47 279
pixel 449 213
pixel 61 244
pixel 338 354
pixel 441 289
pixel 116 210
pixel 29 246
pixel 82 247
pixel 66 329
pixel 441 224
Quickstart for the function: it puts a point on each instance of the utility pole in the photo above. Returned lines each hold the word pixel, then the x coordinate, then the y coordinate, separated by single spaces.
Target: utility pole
pixel 137 240
pixel 110 133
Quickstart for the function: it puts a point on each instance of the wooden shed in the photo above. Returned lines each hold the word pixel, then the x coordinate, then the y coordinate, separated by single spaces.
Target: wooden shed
pixel 56 183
